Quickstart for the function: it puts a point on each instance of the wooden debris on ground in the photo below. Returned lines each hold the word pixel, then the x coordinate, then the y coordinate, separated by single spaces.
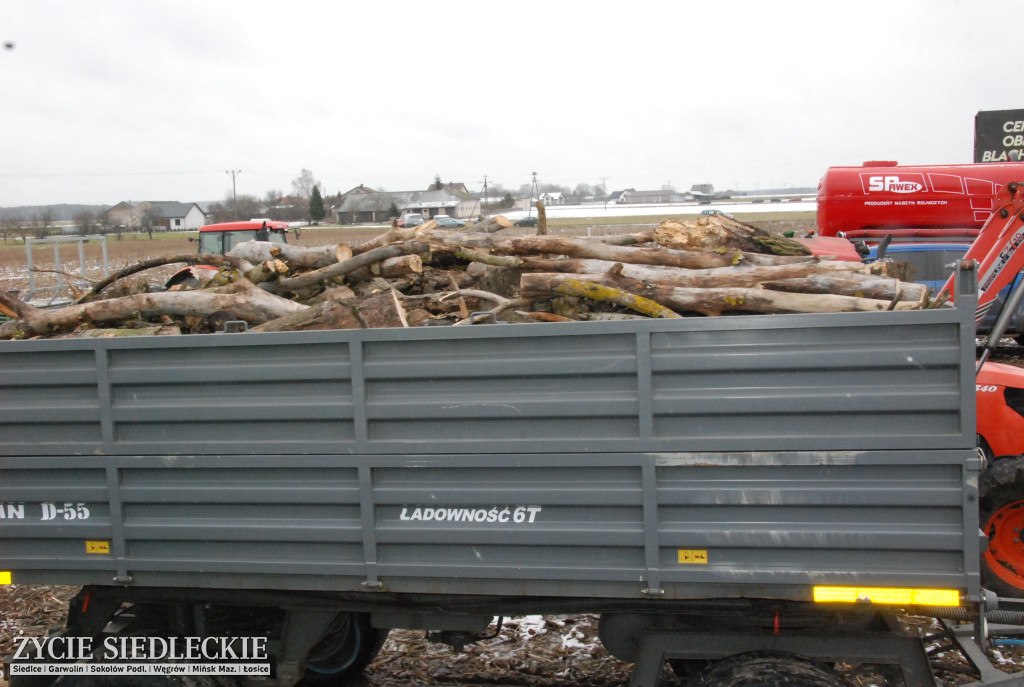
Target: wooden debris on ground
pixel 413 276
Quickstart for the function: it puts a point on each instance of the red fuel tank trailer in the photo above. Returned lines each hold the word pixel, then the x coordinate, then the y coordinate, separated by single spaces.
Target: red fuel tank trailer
pixel 923 202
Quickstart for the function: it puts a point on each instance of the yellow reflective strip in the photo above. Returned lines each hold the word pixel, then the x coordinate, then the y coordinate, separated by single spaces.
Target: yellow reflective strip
pixel 887 595
pixel 5 577
pixel 937 597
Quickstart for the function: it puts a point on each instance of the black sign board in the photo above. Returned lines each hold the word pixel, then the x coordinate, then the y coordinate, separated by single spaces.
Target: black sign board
pixel 999 136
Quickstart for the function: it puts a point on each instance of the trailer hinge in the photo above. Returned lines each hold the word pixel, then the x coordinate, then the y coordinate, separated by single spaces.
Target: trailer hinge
pixel 373 584
pixel 123 579
pixel 652 591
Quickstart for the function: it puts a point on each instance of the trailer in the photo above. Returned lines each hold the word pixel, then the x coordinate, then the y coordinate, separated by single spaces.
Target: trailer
pixel 734 494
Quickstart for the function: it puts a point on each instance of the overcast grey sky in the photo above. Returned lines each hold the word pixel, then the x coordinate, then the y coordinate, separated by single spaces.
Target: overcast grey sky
pixel 107 100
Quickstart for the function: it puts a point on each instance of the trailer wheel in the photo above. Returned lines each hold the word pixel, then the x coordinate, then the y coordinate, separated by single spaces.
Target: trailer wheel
pixel 351 643
pixel 146 681
pixel 767 670
pixel 1001 500
pixel 30 680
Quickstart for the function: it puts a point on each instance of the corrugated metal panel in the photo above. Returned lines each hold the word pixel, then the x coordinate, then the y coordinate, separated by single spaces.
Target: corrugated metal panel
pixel 537 524
pixel 790 450
pixel 821 382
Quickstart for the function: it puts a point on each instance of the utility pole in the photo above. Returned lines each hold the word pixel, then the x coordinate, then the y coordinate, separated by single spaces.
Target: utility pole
pixel 483 204
pixel 234 191
pixel 604 190
pixel 533 195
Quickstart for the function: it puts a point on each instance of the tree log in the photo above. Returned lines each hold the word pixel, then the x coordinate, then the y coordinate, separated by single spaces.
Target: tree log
pixel 241 300
pixel 861 286
pixel 291 284
pixel 489 225
pixel 715 301
pixel 378 310
pixel 588 248
pixel 740 275
pixel 720 233
pixel 603 293
pixel 401 265
pixel 306 257
pixel 542 220
pixel 393 235
pixel 190 259
pixel 625 239
pixel 266 271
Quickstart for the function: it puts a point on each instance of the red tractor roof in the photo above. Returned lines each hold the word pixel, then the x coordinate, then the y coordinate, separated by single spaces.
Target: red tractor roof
pixel 245 226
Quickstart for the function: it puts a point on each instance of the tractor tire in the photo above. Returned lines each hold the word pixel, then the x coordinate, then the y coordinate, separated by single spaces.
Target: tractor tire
pixel 761 669
pixel 1001 515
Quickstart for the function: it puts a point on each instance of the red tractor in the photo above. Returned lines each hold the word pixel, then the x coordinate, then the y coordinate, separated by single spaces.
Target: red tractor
pixel 218 239
pixel 980 204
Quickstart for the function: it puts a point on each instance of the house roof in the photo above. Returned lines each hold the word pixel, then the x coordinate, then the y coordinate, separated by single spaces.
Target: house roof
pixel 380 202
pixel 171 209
pixel 163 209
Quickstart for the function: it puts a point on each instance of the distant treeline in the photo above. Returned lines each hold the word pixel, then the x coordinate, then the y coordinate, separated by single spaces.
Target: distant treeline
pixel 58 213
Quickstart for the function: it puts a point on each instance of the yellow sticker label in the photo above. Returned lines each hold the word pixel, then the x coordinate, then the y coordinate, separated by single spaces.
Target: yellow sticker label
pixel 693 556
pixel 97 547
pixel 5 577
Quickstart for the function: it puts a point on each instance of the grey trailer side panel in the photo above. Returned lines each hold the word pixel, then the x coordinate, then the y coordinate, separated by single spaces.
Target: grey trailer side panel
pixel 805 382
pixel 534 525
pixel 712 457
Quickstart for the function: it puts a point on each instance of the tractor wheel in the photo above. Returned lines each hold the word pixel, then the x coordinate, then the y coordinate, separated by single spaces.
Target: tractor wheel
pixel 767 670
pixel 1001 500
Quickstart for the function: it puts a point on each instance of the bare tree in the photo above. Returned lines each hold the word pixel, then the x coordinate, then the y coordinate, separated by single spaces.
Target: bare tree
pixel 41 224
pixel 106 224
pixel 302 185
pixel 150 221
pixel 18 228
pixel 86 222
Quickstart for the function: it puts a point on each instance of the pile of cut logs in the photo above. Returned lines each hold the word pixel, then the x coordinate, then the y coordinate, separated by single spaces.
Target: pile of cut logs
pixel 410 277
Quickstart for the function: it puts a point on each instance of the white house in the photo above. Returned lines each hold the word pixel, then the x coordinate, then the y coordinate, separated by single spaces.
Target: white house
pixel 555 198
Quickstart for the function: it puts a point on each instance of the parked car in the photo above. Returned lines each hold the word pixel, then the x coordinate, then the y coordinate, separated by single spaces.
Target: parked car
pixel 933 263
pixel 449 223
pixel 530 221
pixel 716 212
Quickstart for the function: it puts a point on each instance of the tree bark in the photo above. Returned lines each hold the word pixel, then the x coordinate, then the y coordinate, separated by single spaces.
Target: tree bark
pixel 401 265
pixel 375 255
pixel 588 248
pixel 489 225
pixel 603 293
pixel 393 235
pixel 542 220
pixel 719 233
pixel 718 300
pixel 306 257
pixel 740 275
pixel 242 301
pixel 861 286
pixel 378 310
pixel 266 271
pixel 190 259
